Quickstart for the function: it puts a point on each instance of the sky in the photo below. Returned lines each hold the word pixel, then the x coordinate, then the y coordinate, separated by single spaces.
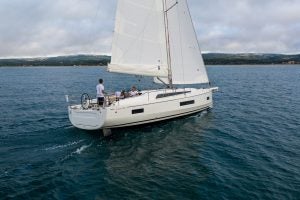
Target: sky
pixel 35 28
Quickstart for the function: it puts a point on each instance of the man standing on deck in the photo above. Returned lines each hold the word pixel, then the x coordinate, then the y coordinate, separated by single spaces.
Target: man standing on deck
pixel 100 92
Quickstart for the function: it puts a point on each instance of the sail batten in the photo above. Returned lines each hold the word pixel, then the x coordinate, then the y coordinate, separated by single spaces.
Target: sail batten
pixel 137 69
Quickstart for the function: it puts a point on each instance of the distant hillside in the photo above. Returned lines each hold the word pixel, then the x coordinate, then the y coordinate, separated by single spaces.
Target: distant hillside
pixel 241 59
pixel 74 60
pixel 99 60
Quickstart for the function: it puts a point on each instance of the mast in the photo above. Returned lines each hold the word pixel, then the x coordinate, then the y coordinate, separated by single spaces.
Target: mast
pixel 167 35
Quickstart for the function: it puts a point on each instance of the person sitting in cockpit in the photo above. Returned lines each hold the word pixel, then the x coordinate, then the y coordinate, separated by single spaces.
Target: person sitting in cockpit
pixel 133 92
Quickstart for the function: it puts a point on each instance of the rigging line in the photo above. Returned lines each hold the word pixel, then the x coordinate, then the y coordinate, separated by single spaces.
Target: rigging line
pixel 158 78
pixel 93 21
pixel 172 6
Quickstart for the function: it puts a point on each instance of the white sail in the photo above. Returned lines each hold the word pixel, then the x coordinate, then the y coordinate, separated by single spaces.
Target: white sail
pixel 186 61
pixel 157 38
pixel 139 45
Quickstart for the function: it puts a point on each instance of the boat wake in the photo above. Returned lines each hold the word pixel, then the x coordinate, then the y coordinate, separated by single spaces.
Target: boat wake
pixel 63 145
pixel 81 149
pixel 77 152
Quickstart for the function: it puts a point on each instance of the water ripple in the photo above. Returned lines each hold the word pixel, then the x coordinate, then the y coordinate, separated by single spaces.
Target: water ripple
pixel 63 145
pixel 247 147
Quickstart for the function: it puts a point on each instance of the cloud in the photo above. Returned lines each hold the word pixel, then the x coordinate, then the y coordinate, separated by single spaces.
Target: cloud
pixel 41 28
pixel 260 26
pixel 60 27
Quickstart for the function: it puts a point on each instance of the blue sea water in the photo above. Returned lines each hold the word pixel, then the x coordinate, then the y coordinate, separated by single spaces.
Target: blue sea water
pixel 247 147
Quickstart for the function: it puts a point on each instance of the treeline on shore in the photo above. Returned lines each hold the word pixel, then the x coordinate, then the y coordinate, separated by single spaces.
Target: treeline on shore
pixel 100 60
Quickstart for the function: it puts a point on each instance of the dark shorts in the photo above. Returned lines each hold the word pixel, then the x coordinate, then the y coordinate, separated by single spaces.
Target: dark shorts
pixel 100 101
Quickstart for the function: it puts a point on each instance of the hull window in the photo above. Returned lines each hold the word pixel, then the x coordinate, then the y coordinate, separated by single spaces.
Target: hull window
pixel 137 111
pixel 170 94
pixel 185 103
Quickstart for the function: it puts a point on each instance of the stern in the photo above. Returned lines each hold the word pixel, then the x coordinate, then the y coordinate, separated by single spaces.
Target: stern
pixel 90 119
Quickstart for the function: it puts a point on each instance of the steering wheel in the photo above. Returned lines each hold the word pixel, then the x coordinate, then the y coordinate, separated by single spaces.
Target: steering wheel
pixel 85 101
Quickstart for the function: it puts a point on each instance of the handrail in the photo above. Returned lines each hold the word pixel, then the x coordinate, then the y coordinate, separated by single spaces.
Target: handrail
pixel 110 98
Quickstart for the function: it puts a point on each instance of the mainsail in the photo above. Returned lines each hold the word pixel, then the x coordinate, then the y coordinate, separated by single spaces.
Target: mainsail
pixel 157 38
pixel 139 40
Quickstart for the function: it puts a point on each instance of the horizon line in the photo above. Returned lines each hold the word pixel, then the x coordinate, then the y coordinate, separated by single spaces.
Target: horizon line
pixel 109 55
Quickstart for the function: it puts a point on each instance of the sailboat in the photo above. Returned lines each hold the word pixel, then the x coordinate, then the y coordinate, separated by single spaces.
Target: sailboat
pixel 153 38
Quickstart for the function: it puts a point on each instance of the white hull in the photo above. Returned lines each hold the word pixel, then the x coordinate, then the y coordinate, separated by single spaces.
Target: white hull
pixel 151 106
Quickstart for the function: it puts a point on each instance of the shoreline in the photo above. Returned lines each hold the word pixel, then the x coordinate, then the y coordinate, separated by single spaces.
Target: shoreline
pixel 207 65
pixel 102 60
